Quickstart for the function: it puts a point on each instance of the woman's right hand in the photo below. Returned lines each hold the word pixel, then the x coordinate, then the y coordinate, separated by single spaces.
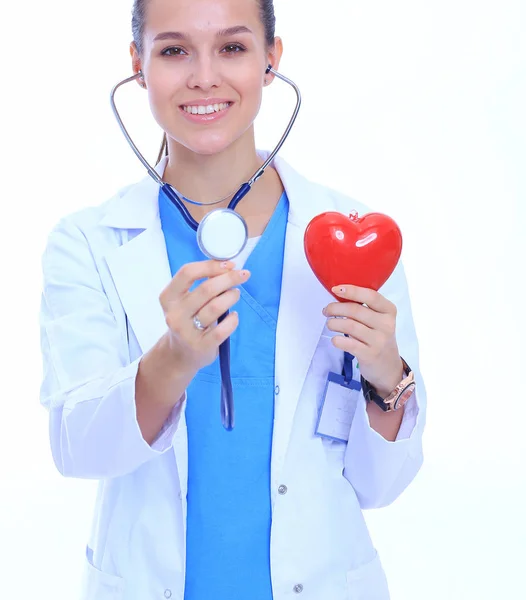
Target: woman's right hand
pixel 193 348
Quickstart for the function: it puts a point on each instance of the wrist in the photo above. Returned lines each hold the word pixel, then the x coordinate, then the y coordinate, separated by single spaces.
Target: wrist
pixel 167 370
pixel 385 384
pixel 399 394
pixel 175 362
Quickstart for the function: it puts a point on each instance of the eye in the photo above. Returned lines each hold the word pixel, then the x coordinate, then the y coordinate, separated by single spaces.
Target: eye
pixel 234 48
pixel 173 51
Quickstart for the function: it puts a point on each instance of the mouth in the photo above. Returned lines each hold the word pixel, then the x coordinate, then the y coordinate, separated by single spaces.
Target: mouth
pixel 209 109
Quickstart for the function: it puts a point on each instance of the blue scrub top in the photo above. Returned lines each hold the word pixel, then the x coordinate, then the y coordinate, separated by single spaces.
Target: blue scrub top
pixel 229 507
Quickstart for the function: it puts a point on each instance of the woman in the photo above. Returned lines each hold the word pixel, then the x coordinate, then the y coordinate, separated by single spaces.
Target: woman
pixel 186 509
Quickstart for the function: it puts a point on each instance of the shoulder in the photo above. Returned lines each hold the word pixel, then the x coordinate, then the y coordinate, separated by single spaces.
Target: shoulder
pixel 342 202
pixel 82 235
pixel 92 216
pixel 311 198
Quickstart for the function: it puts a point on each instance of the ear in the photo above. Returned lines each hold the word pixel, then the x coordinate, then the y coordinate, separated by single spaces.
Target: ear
pixel 136 63
pixel 273 58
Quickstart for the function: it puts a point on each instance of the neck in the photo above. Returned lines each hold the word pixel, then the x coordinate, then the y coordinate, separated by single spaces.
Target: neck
pixel 207 178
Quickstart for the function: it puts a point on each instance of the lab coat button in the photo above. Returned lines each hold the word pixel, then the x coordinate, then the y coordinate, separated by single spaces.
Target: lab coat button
pixel 283 489
pixel 298 588
pixel 167 593
pixel 276 390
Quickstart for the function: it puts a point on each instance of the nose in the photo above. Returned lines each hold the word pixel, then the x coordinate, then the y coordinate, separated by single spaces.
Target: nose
pixel 205 74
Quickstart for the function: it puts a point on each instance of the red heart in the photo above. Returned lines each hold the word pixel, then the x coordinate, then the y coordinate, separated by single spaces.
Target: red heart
pixel 361 251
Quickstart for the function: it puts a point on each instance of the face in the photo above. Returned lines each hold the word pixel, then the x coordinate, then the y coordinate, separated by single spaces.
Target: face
pixel 204 64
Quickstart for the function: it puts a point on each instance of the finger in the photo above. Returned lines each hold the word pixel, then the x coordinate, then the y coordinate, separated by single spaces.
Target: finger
pixel 215 336
pixel 211 288
pixel 353 310
pixel 352 346
pixel 180 310
pixel 372 298
pixel 356 330
pixel 190 273
pixel 210 312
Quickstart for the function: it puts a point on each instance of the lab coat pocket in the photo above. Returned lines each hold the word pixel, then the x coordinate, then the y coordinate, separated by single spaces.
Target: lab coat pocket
pixel 368 582
pixel 99 585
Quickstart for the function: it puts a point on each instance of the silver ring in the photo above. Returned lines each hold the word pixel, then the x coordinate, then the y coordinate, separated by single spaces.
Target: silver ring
pixel 198 324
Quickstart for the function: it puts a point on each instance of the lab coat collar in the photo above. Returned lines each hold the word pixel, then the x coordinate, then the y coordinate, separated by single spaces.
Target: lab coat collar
pixel 137 207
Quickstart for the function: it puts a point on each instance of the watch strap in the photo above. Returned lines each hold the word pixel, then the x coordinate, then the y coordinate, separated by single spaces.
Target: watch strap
pixel 371 395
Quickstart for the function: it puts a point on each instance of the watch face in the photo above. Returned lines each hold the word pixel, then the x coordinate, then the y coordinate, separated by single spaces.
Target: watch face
pixel 404 396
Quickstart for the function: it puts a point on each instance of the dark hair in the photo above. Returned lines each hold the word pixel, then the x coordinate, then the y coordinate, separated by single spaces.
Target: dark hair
pixel 266 11
pixel 268 18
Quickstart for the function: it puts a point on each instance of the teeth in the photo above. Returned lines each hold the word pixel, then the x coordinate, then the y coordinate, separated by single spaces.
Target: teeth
pixel 206 110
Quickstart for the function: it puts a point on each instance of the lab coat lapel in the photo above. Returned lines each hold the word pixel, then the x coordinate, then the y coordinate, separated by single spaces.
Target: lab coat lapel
pixel 300 321
pixel 140 272
pixel 139 267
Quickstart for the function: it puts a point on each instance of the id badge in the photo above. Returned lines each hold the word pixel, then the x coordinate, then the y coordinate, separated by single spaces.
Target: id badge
pixel 338 405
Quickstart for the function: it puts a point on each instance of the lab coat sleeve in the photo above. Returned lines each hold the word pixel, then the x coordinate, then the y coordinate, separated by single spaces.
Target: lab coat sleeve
pixel 88 381
pixel 380 470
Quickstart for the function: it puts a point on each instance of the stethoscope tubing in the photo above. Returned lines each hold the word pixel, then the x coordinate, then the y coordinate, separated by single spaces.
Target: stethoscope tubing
pixel 245 187
pixel 227 396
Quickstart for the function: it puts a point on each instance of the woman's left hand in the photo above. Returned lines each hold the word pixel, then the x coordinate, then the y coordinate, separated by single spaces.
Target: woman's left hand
pixel 370 323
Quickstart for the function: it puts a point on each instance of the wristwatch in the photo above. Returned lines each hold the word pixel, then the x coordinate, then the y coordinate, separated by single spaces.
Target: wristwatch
pixel 398 397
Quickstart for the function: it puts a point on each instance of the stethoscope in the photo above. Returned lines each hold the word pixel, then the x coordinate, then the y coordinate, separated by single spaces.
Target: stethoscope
pixel 221 235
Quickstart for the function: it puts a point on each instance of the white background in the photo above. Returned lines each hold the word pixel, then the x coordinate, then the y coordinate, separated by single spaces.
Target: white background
pixel 416 108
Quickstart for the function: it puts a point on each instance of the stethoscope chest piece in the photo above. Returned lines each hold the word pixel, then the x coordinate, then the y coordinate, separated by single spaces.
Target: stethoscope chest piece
pixel 222 234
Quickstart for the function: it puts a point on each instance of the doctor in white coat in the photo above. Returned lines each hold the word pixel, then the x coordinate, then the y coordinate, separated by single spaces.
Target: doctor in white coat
pixel 121 352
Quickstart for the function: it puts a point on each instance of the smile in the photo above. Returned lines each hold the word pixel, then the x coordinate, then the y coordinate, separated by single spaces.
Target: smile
pixel 206 110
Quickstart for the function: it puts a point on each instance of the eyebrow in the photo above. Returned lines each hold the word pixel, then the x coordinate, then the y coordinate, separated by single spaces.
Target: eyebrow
pixel 178 35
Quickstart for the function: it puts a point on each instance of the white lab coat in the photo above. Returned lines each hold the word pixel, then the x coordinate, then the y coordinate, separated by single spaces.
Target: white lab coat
pixel 104 269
